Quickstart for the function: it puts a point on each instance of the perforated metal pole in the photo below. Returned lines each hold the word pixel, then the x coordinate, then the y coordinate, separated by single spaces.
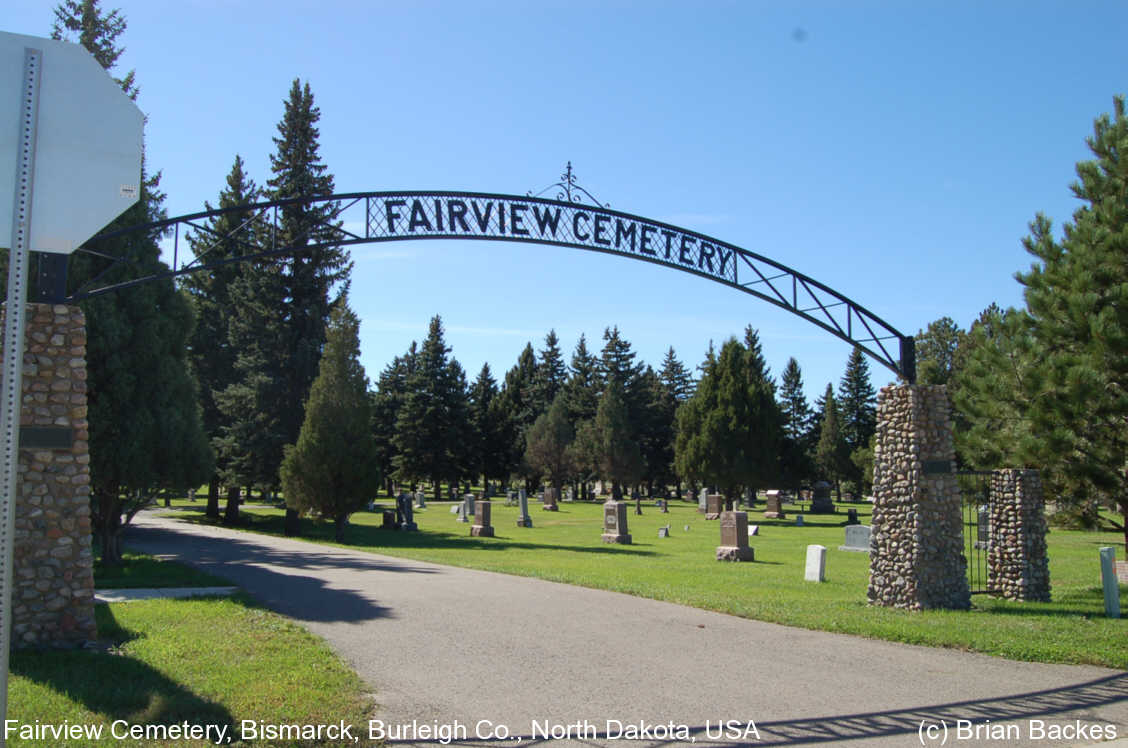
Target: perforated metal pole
pixel 11 391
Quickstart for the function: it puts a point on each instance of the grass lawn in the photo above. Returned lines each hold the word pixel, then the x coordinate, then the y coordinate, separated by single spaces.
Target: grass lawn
pixel 204 661
pixel 565 546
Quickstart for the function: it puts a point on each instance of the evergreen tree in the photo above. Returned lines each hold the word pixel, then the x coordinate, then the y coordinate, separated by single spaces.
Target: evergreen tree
pixel 832 453
pixel 581 390
pixel 617 453
pixel 656 430
pixel 936 351
pixel 551 374
pixel 725 435
pixel 676 378
pixel 483 427
pixel 796 447
pixel 548 442
pixel 386 401
pixel 517 408
pixel 333 469
pixel 857 410
pixel 1077 384
pixel 431 425
pixel 212 357
pixel 146 433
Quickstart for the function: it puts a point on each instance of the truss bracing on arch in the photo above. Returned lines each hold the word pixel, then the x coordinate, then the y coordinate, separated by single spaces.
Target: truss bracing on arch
pixel 367 217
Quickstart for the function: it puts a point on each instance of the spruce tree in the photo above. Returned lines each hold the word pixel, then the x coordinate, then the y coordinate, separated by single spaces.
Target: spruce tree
pixel 146 433
pixel 387 400
pixel 581 390
pixel 517 407
pixel 551 374
pixel 656 430
pixel 832 453
pixel 676 377
pixel 333 470
pixel 212 356
pixel 548 443
pixel 617 453
pixel 796 446
pixel 857 410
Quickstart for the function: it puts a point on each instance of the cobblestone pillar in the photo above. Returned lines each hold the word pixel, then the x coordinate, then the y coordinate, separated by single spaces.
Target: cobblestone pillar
pixel 1017 565
pixel 53 578
pixel 916 557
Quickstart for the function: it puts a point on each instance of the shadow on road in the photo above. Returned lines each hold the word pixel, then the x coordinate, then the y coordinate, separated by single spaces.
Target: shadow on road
pixel 728 731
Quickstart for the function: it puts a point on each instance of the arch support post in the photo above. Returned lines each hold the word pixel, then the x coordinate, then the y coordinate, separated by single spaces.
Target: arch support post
pixel 917 553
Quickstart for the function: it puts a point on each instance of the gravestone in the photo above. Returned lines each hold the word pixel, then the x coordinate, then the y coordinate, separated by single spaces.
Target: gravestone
pixel 820 501
pixel 816 564
pixel 469 499
pixel 569 494
pixel 799 520
pixel 852 517
pixel 701 500
pixel 420 500
pixel 524 520
pixel 734 538
pixel 452 492
pixel 749 499
pixel 511 498
pixel 983 528
pixel 615 523
pixel 663 506
pixel 389 519
pixel 550 496
pixel 463 511
pixel 857 539
pixel 455 508
pixel 753 529
pixel 664 532
pixel 404 513
pixel 714 505
pixel 773 507
pixel 482 527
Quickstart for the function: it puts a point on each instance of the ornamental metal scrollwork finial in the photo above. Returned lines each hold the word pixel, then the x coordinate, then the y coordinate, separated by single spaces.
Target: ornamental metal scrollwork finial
pixel 568 189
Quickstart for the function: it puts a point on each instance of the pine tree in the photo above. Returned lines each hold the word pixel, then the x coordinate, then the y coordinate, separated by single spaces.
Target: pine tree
pixel 548 442
pixel 517 408
pixel 796 447
pixel 551 374
pixel 581 390
pixel 387 400
pixel 857 410
pixel 431 426
pixel 617 452
pixel 333 469
pixel 483 429
pixel 936 351
pixel 1077 384
pixel 677 379
pixel 212 356
pixel 832 453
pixel 146 433
pixel 725 437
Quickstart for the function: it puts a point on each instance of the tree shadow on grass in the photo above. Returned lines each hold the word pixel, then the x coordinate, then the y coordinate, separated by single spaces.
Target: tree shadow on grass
pixel 1077 603
pixel 369 538
pixel 116 686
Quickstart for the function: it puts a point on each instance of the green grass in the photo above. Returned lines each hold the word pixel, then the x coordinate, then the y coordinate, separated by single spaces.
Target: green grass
pixel 140 570
pixel 566 547
pixel 204 661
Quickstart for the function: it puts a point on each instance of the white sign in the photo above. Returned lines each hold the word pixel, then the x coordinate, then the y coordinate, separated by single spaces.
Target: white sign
pixel 88 149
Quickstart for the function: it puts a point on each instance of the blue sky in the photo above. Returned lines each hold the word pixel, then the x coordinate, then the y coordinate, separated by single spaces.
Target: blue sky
pixel 893 151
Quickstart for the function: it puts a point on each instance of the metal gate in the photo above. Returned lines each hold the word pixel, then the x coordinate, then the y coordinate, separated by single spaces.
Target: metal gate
pixel 975 488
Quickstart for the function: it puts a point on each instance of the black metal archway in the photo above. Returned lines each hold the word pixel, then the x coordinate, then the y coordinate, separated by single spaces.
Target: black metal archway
pixel 367 217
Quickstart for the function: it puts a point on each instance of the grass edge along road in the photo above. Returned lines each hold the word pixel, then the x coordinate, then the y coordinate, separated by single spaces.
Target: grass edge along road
pixel 211 661
pixel 565 546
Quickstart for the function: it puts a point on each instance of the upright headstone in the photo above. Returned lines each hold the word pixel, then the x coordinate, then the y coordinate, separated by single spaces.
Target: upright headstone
pixel 664 532
pixel 982 527
pixel 482 527
pixel 463 511
pixel 420 500
pixel 816 564
pixel 917 556
pixel 388 519
pixel 852 517
pixel 1109 582
pixel 662 504
pixel 615 523
pixel 799 520
pixel 524 520
pixel 734 538
pixel 821 502
pixel 406 515
pixel 749 498
pixel 569 494
pixel 470 508
pixel 773 506
pixel 701 500
pixel 714 505
pixel 550 496
pixel 857 539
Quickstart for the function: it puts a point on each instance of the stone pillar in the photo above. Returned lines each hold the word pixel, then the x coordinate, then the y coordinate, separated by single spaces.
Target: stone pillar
pixel 482 527
pixel 734 538
pixel 53 563
pixel 916 557
pixel 615 523
pixel 1017 565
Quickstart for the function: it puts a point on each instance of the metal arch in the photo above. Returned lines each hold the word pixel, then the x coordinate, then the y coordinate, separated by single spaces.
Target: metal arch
pixel 369 217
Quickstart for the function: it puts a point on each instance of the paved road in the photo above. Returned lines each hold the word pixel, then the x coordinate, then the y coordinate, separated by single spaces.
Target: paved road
pixel 451 649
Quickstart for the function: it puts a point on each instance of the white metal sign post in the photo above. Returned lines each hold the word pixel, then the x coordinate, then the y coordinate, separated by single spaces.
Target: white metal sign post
pixel 77 143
